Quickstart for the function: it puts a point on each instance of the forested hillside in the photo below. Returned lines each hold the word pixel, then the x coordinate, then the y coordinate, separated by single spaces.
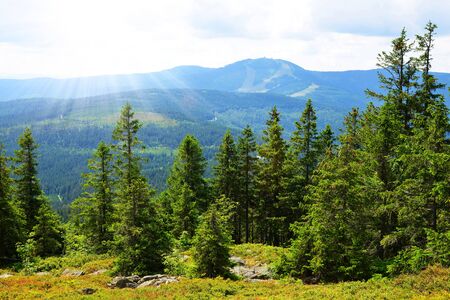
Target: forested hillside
pixel 368 201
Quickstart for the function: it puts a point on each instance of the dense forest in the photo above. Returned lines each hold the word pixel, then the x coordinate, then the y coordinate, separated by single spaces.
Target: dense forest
pixel 373 199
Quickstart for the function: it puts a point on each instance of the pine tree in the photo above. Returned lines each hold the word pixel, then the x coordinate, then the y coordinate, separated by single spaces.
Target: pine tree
pixel 92 214
pixel 186 212
pixel 225 180
pixel 270 174
pixel 140 237
pixel 212 245
pixel 187 169
pixel 246 152
pixel 28 191
pixel 10 223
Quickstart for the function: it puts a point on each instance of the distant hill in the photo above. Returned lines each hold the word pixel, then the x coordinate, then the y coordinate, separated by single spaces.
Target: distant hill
pixel 261 75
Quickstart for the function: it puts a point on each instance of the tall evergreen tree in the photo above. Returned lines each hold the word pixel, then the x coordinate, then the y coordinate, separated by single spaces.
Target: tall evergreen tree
pixel 92 214
pixel 212 245
pixel 272 154
pixel 325 142
pixel 140 236
pixel 10 224
pixel 225 180
pixel 304 141
pixel 335 241
pixel 427 89
pixel 48 231
pixel 399 80
pixel 28 190
pixel 187 171
pixel 246 152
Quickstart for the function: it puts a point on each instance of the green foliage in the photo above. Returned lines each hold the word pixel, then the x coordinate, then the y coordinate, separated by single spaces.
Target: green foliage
pixel 48 232
pixel 10 218
pixel 212 245
pixel 187 190
pixel 28 189
pixel 140 237
pixel 92 214
pixel 246 179
pixel 272 154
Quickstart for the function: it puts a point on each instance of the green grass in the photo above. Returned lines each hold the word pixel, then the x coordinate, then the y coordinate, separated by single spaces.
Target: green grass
pixel 255 254
pixel 433 283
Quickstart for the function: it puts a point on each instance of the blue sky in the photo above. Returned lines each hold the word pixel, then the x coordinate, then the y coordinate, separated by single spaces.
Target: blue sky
pixel 67 38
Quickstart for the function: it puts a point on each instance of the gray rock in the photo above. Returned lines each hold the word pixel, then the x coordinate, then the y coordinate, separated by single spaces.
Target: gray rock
pixel 42 273
pixel 68 272
pixel 134 278
pixel 98 272
pixel 6 275
pixel 255 272
pixel 150 277
pixel 237 260
pixel 88 291
pixel 147 283
pixel 122 282
pixel 137 282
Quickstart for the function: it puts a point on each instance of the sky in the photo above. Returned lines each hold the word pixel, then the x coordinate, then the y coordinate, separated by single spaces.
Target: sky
pixel 71 38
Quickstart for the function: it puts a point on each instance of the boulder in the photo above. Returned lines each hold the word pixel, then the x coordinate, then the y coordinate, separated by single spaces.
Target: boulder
pixel 6 275
pixel 255 272
pixel 98 272
pixel 88 291
pixel 237 260
pixel 68 272
pixel 123 282
pixel 42 273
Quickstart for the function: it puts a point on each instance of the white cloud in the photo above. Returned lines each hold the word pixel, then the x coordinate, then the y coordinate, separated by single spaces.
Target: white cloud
pixel 88 37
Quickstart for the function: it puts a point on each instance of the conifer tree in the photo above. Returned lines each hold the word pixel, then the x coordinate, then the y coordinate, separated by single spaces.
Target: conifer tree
pixel 212 245
pixel 225 180
pixel 92 214
pixel 187 171
pixel 140 237
pixel 335 241
pixel 270 174
pixel 246 152
pixel 325 142
pixel 10 223
pixel 28 190
pixel 48 232
pixel 304 141
pixel 399 80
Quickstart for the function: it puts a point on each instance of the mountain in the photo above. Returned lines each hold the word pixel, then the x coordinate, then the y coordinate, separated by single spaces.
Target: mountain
pixel 70 116
pixel 261 75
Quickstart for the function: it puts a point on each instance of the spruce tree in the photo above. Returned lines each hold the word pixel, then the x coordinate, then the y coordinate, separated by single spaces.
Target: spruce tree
pixel 187 170
pixel 335 240
pixel 304 141
pixel 211 245
pixel 246 153
pixel 399 80
pixel 48 231
pixel 140 237
pixel 225 180
pixel 272 154
pixel 28 190
pixel 10 219
pixel 92 214
pixel 325 142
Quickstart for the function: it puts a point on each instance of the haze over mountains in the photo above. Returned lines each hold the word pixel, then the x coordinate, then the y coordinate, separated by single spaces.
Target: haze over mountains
pixel 261 75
